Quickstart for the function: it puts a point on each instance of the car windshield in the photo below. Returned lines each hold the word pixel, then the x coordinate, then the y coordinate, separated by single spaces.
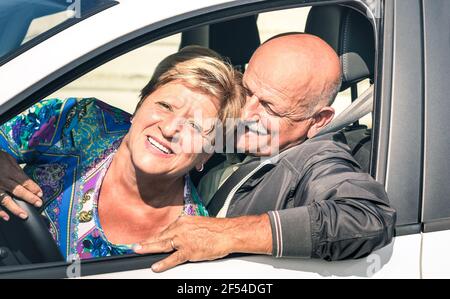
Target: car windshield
pixel 25 23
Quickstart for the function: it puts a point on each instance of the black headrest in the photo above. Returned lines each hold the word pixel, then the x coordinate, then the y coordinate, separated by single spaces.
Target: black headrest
pixel 350 34
pixel 235 39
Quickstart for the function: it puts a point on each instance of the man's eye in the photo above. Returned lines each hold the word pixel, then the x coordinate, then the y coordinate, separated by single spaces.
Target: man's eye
pixel 268 108
pixel 165 106
pixel 248 92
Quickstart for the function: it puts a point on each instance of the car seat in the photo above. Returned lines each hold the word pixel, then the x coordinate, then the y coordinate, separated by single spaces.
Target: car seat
pixel 351 35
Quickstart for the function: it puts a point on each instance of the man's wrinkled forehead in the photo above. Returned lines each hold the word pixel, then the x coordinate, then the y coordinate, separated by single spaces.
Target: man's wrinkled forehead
pixel 269 76
pixel 264 88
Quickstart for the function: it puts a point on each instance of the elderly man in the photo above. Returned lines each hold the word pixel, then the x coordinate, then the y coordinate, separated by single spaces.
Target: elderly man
pixel 314 201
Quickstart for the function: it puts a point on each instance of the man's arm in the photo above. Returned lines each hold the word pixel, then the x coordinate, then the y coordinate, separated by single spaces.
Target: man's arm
pixel 198 238
pixel 340 213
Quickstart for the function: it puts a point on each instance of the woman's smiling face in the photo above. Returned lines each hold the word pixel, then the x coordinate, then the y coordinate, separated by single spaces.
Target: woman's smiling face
pixel 170 129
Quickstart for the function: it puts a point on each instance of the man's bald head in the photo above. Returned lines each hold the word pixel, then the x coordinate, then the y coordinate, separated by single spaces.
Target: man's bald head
pixel 290 82
pixel 302 65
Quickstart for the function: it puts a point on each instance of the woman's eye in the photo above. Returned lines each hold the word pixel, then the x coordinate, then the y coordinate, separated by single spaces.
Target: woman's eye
pixel 165 106
pixel 196 127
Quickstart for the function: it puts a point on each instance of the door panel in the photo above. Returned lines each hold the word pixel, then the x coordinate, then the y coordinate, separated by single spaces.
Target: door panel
pixel 435 257
pixel 436 204
pixel 399 259
pixel 398 113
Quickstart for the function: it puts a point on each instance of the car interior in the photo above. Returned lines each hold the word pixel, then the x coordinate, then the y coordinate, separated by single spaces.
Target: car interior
pixel 348 31
pixel 345 29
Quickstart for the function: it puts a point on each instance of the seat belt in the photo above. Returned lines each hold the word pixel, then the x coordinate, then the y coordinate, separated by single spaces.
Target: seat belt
pixel 239 177
pixel 360 107
pixel 235 181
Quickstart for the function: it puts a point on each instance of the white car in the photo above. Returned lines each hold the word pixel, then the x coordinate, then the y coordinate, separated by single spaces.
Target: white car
pixel 399 47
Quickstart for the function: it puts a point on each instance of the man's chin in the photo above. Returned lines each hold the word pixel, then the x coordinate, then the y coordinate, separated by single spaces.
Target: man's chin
pixel 257 145
pixel 258 152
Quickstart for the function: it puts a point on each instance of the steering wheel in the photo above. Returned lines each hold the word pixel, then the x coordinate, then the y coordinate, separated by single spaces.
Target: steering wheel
pixel 27 241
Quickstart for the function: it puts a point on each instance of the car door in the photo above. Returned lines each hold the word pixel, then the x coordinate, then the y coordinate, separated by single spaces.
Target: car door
pixel 107 36
pixel 436 165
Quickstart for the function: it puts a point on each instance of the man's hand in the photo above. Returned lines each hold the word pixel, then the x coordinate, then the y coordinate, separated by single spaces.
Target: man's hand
pixel 13 181
pixel 194 238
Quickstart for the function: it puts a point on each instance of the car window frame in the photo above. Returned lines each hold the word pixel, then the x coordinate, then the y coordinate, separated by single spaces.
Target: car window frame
pixel 436 211
pixel 52 31
pixel 398 172
pixel 152 32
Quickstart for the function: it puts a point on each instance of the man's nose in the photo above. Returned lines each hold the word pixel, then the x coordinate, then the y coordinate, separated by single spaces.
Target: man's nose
pixel 252 109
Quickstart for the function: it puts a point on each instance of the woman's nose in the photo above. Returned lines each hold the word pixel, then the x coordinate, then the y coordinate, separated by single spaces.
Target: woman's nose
pixel 169 127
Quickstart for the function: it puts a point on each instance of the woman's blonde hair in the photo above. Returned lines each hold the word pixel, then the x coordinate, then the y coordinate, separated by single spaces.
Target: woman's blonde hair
pixel 204 70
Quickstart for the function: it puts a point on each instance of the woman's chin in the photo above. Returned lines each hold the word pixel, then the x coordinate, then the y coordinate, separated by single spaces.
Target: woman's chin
pixel 157 166
pixel 148 163
pixel 157 171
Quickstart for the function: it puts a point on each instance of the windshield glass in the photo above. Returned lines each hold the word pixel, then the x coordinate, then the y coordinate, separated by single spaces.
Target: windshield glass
pixel 25 23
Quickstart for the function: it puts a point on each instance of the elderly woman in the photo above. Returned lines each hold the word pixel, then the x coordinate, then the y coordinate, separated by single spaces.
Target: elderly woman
pixel 108 179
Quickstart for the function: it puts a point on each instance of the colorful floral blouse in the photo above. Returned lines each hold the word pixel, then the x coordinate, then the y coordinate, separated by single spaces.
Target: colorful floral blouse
pixel 67 146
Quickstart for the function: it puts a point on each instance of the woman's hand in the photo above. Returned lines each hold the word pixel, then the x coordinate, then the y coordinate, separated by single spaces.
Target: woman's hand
pixel 13 181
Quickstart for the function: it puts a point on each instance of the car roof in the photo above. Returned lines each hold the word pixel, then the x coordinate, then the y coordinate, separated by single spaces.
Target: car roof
pixel 83 40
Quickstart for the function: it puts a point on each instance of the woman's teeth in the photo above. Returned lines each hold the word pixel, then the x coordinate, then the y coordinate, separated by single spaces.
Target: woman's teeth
pixel 159 146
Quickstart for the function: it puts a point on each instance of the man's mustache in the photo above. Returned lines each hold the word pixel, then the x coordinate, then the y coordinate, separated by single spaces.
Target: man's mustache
pixel 252 126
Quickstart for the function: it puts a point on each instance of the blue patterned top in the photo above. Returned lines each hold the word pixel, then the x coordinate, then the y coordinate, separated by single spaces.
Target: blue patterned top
pixel 67 146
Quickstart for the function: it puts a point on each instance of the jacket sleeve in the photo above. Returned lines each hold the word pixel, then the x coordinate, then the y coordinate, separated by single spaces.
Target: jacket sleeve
pixel 339 213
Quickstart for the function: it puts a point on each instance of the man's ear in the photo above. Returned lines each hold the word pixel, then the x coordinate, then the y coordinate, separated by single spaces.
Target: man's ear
pixel 323 118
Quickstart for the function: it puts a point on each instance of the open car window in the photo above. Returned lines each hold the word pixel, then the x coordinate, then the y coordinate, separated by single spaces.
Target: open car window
pixel 25 23
pixel 294 20
pixel 118 82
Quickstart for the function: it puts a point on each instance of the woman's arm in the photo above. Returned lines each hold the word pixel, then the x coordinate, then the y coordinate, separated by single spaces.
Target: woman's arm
pixel 31 131
pixel 21 140
pixel 14 181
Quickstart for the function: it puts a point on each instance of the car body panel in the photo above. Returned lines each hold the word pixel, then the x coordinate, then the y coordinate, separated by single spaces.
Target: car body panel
pixel 436 188
pixel 402 179
pixel 398 259
pixel 435 258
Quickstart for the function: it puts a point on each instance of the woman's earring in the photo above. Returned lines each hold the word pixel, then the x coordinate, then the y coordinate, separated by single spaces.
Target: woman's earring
pixel 201 169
